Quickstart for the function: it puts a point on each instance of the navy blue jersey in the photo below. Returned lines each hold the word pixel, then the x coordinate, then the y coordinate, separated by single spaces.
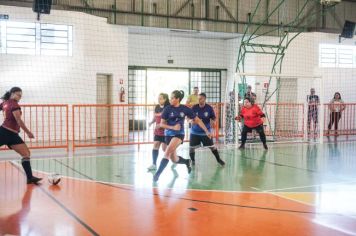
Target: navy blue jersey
pixel 206 114
pixel 176 115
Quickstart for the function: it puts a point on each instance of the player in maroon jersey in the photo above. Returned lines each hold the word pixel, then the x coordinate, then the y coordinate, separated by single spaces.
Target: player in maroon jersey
pixel 10 129
pixel 159 138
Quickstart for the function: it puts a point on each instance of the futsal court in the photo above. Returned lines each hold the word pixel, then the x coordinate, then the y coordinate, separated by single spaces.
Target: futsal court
pixel 289 190
pixel 254 99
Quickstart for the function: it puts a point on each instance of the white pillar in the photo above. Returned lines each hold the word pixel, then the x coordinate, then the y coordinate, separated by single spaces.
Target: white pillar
pixel 321 111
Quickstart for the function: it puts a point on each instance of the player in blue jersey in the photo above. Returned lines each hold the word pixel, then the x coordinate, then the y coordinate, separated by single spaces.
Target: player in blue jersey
pixel 172 120
pixel 197 135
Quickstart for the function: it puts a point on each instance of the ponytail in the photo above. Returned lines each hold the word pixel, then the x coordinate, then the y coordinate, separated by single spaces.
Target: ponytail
pixel 182 93
pixel 178 94
pixel 7 95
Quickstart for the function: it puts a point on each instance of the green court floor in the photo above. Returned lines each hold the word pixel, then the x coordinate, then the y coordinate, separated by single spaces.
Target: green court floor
pixel 287 167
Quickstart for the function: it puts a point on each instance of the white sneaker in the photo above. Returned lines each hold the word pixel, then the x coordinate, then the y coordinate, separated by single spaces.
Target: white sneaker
pixel 152 167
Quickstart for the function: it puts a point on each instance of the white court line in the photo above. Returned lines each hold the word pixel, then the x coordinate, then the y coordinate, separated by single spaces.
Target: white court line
pixel 202 190
pixel 188 189
pixel 309 186
pixel 76 178
pixel 306 203
pixel 292 199
pixel 72 157
pixel 144 187
pixel 219 147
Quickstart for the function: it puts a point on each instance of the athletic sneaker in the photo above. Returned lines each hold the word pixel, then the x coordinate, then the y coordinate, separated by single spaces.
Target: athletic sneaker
pixel 33 180
pixel 152 167
pixel 221 162
pixel 193 163
pixel 242 146
pixel 175 173
pixel 265 146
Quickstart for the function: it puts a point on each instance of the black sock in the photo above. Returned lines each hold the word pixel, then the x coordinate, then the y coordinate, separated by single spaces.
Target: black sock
pixel 182 160
pixel 192 156
pixel 216 154
pixel 27 167
pixel 162 166
pixel 154 156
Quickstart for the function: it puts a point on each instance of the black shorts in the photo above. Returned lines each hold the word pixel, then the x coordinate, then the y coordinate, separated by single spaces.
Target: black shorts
pixel 9 138
pixel 258 128
pixel 158 138
pixel 169 138
pixel 197 140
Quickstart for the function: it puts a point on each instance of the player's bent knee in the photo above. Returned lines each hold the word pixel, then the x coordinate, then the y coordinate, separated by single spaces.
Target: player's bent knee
pixel 168 152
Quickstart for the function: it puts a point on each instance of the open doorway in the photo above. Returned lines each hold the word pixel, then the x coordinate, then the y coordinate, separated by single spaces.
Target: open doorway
pixel 166 81
pixel 145 85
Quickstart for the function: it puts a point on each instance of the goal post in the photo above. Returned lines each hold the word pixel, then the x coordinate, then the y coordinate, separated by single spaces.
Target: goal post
pixel 292 112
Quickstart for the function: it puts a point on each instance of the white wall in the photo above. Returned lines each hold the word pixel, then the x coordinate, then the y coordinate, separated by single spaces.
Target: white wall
pixel 102 48
pixel 154 50
pixel 341 80
pixel 302 58
pixel 97 48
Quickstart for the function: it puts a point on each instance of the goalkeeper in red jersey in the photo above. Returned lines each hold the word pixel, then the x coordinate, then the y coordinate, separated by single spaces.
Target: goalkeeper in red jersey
pixel 253 120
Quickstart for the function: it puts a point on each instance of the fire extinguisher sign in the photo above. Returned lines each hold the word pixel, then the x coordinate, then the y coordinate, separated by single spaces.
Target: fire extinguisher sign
pixel 122 94
pixel 265 88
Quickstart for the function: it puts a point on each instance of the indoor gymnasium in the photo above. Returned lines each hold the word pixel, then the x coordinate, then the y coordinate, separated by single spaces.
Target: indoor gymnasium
pixel 177 117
